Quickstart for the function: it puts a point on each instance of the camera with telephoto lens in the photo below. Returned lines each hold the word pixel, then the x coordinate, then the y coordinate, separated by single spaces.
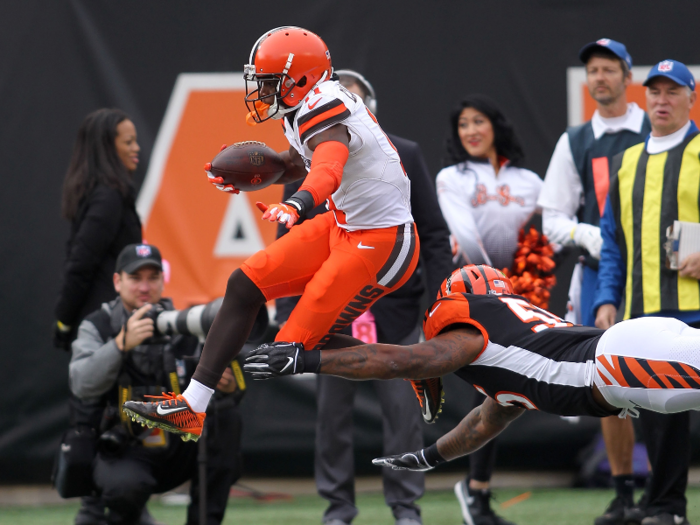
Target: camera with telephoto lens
pixel 196 320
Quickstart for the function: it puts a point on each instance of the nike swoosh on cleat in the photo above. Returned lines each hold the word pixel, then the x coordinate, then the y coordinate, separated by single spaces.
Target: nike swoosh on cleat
pixel 428 415
pixel 431 313
pixel 165 411
pixel 289 362
pixel 363 247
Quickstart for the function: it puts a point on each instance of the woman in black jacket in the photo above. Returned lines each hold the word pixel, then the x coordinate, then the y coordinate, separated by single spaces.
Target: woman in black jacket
pixel 99 200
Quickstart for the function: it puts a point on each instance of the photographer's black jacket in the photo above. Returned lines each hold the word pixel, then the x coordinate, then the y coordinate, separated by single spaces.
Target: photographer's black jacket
pixel 97 366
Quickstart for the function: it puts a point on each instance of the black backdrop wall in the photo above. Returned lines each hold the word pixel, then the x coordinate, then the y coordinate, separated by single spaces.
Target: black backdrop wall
pixel 60 60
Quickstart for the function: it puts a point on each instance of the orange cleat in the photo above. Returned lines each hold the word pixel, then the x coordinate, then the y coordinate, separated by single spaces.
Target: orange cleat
pixel 431 397
pixel 172 413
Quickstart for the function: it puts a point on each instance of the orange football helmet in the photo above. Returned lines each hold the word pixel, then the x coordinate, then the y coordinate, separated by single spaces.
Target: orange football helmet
pixel 477 279
pixel 294 61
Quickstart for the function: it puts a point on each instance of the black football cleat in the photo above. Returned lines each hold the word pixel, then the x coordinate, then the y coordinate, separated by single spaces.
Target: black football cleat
pixel 431 397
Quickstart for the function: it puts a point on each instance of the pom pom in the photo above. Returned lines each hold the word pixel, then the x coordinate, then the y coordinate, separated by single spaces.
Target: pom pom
pixel 532 269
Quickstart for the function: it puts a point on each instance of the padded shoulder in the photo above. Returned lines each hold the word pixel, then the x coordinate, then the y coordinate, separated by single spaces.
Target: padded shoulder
pixel 325 106
pixel 450 310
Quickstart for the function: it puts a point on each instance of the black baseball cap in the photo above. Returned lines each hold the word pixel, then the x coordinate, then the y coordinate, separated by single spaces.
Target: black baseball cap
pixel 135 256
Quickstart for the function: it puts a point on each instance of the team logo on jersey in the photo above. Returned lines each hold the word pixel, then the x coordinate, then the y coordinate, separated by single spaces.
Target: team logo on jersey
pixel 502 196
pixel 665 66
pixel 143 251
pixel 257 159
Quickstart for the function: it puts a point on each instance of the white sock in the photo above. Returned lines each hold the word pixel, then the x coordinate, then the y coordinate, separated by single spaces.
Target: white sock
pixel 198 396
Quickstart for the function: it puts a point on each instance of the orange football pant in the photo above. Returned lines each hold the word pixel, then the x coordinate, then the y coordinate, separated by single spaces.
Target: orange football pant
pixel 339 274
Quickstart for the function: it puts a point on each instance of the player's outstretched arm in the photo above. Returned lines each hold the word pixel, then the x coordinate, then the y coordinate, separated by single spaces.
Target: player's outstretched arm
pixel 480 426
pixel 441 355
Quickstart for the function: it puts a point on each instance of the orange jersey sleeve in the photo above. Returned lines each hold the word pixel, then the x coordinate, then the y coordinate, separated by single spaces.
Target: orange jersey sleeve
pixel 449 310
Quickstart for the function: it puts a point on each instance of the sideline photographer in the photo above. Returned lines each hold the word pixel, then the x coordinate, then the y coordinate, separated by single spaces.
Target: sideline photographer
pixel 119 355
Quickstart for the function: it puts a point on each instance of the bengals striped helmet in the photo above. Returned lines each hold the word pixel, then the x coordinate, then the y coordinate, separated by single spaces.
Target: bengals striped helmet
pixel 477 279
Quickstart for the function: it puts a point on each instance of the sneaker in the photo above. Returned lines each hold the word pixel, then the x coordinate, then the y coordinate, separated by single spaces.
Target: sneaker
pixel 616 513
pixel 665 519
pixel 91 512
pixel 172 414
pixel 431 397
pixel 638 512
pixel 635 515
pixel 476 506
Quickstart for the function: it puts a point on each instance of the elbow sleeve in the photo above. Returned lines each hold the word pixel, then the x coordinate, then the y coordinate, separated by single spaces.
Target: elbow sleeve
pixel 326 170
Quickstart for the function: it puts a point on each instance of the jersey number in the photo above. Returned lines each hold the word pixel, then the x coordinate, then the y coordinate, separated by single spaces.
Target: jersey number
pixel 529 313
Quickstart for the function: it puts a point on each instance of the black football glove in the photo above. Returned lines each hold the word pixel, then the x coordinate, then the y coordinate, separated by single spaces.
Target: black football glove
pixel 420 460
pixel 281 359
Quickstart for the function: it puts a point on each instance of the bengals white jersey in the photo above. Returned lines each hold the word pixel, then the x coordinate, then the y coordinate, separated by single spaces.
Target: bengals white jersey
pixel 374 191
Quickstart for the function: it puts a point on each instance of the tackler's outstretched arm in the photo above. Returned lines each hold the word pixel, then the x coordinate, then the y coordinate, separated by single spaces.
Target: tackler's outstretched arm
pixel 445 353
pixel 479 427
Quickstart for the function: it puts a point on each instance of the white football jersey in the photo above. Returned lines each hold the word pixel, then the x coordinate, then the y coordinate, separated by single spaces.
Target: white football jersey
pixel 374 191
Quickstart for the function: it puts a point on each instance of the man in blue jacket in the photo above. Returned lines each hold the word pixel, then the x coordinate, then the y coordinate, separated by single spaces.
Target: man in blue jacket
pixel 654 183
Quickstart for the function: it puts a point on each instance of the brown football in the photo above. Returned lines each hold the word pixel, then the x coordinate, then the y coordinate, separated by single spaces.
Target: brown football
pixel 249 165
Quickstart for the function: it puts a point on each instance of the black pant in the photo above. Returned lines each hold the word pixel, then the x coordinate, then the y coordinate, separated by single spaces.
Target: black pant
pixel 127 481
pixel 402 432
pixel 481 462
pixel 667 437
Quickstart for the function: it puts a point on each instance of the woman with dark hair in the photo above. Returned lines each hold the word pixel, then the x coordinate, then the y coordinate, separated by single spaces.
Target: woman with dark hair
pixel 99 200
pixel 486 199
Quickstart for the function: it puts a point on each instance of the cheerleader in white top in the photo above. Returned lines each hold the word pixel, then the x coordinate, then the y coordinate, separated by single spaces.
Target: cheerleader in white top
pixel 485 197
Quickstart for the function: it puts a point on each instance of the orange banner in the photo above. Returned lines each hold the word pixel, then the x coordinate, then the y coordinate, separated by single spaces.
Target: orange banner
pixel 203 233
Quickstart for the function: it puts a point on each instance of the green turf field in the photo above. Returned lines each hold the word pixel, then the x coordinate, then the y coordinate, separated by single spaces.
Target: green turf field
pixel 543 506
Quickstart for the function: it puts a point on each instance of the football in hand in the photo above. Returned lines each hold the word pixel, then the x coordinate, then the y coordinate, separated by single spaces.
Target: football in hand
pixel 249 165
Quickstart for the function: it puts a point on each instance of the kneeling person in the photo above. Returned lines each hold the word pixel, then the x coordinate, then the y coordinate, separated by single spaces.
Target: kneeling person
pixel 521 357
pixel 116 358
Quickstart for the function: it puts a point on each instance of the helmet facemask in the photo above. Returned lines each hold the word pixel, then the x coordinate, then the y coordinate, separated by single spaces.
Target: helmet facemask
pixel 285 63
pixel 272 104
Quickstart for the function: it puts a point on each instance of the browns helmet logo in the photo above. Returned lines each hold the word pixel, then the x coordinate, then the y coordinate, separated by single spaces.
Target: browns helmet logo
pixel 257 159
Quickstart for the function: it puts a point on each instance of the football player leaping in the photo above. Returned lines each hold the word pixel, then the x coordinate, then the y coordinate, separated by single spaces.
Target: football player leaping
pixel 521 357
pixel 341 262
